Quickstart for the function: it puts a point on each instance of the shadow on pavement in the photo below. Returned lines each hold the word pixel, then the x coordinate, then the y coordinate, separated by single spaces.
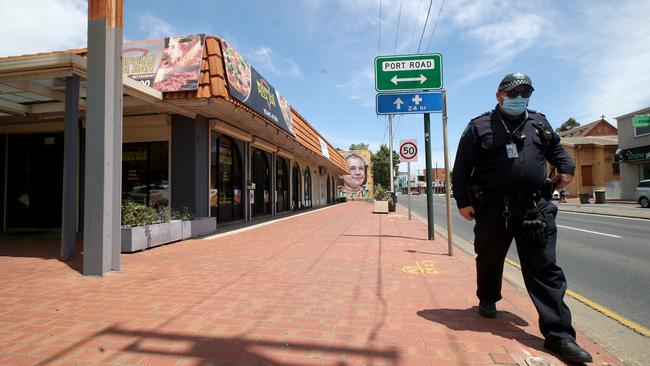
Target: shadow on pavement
pixel 385 236
pixel 203 350
pixel 506 325
pixel 45 244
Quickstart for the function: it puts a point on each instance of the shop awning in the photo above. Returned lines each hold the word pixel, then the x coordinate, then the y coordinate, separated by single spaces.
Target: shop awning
pixel 213 100
pixel 32 89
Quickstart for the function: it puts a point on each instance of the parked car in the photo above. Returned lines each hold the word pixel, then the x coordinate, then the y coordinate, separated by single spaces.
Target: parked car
pixel 642 193
pixel 415 192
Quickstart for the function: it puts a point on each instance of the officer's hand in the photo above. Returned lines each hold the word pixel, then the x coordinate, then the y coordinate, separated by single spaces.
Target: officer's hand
pixel 467 212
pixel 562 180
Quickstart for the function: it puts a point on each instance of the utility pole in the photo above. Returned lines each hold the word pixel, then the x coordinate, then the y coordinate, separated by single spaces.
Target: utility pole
pixel 390 151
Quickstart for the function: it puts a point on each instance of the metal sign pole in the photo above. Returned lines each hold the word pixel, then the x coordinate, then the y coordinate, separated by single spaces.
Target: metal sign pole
pixel 427 174
pixel 390 150
pixel 447 193
pixel 408 185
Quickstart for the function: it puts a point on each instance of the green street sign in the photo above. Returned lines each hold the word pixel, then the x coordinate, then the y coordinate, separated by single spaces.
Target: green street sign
pixel 641 121
pixel 408 72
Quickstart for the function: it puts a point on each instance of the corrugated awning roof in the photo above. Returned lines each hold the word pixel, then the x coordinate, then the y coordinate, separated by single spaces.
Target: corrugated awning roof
pixel 590 140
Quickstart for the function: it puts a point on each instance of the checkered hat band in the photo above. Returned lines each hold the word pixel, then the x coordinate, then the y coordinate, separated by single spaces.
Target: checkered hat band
pixel 514 83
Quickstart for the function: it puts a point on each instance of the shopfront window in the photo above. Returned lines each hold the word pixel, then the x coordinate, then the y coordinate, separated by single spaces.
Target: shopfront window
pixel 225 180
pixel 261 177
pixel 145 173
pixel 296 187
pixel 644 171
pixel 307 188
pixel 282 185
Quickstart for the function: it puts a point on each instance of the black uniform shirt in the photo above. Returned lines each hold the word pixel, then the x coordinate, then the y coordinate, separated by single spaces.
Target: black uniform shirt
pixel 482 159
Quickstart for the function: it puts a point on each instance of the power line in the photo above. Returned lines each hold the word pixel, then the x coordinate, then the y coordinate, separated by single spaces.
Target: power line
pixel 435 25
pixel 415 25
pixel 399 16
pixel 379 51
pixel 425 25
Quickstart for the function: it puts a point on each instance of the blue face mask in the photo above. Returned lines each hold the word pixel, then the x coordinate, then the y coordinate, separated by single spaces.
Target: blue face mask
pixel 514 106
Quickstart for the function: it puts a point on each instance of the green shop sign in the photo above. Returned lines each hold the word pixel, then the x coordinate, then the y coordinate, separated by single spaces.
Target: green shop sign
pixel 641 121
pixel 637 153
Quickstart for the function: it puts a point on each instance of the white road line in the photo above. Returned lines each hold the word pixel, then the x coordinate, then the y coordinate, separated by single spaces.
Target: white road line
pixel 588 231
pixel 601 215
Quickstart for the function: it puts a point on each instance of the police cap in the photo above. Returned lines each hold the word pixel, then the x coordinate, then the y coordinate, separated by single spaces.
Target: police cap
pixel 513 80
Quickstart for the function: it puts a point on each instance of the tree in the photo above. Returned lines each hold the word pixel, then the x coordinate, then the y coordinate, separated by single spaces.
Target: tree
pixel 567 125
pixel 381 166
pixel 360 146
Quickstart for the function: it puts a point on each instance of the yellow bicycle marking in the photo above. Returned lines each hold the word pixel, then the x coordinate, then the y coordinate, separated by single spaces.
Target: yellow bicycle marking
pixel 426 267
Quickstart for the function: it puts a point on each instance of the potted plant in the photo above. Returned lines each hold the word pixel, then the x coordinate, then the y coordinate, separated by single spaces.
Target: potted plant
pixel 381 200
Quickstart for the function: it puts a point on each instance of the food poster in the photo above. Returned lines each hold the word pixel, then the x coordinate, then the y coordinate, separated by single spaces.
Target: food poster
pixel 167 64
pixel 248 86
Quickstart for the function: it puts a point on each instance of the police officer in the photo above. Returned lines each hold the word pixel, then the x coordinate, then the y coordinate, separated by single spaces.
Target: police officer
pixel 500 179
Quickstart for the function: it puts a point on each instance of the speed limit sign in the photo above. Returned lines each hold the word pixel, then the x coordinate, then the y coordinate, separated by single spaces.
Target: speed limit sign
pixel 408 150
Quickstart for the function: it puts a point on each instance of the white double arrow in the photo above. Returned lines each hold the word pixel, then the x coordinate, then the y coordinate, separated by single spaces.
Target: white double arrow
pixel 420 78
pixel 398 103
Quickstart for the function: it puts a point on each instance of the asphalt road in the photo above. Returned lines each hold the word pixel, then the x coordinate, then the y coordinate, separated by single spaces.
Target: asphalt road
pixel 606 259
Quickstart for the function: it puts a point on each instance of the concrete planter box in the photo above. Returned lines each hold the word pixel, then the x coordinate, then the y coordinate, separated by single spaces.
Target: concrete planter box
pixel 202 226
pixel 381 207
pixel 186 230
pixel 143 237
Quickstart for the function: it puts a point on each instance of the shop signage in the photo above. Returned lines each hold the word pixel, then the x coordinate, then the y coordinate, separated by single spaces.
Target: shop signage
pixel 323 147
pixel 637 153
pixel 409 103
pixel 641 121
pixel 408 72
pixel 166 64
pixel 249 87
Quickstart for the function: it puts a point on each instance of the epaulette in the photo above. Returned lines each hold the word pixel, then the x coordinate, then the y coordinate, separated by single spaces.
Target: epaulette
pixel 480 115
pixel 536 112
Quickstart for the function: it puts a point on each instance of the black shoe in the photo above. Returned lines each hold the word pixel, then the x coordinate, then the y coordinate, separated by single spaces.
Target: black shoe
pixel 567 349
pixel 487 309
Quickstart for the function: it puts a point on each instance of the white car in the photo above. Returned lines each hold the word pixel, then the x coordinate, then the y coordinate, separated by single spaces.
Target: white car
pixel 642 193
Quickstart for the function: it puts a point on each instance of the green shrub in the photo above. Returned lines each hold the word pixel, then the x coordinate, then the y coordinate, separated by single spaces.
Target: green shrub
pixel 381 194
pixel 137 214
pixel 341 199
pixel 182 214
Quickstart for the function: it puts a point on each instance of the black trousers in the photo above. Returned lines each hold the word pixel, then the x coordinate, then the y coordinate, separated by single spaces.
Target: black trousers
pixel 544 279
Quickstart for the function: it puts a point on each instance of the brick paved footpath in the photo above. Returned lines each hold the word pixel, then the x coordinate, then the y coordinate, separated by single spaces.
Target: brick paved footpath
pixel 337 286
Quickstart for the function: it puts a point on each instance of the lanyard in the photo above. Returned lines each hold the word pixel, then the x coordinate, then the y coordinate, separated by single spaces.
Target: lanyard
pixel 518 127
pixel 511 134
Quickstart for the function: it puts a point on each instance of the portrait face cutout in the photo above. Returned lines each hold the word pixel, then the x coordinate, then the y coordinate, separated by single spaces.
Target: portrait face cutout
pixel 353 181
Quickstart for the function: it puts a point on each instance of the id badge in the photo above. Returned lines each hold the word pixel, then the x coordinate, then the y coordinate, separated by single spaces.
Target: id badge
pixel 511 150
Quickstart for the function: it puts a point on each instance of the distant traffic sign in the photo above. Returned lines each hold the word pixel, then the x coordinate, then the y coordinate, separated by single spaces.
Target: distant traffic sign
pixel 409 103
pixel 408 150
pixel 408 72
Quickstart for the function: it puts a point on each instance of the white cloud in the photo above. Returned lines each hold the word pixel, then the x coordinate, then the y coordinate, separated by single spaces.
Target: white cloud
pixel 354 97
pixel 264 59
pixel 32 26
pixel 499 31
pixel 613 56
pixel 155 27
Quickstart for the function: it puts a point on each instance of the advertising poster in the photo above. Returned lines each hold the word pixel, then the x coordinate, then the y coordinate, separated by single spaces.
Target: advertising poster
pixel 166 64
pixel 249 87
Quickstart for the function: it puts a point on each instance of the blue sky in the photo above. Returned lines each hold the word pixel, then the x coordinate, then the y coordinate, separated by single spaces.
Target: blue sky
pixel 586 58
